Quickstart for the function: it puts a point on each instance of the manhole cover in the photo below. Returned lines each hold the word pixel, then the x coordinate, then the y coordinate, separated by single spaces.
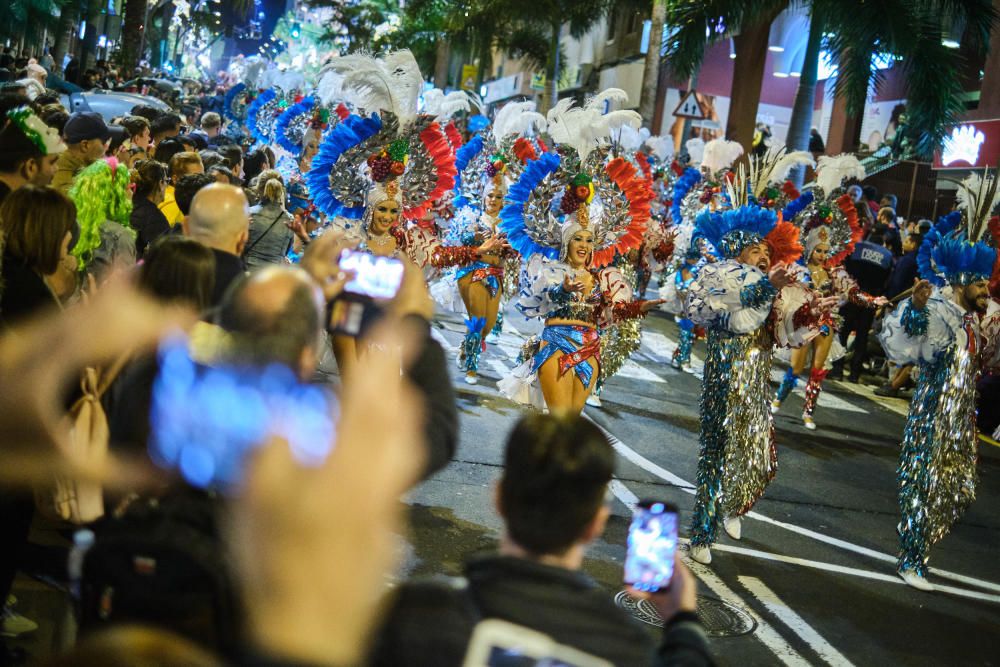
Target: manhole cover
pixel 719 618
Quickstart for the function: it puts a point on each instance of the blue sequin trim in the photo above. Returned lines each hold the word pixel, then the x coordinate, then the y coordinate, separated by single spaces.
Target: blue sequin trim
pixel 914 321
pixel 757 295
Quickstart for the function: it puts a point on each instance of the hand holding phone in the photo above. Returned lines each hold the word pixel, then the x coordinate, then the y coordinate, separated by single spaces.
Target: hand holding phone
pixel 375 279
pixel 652 547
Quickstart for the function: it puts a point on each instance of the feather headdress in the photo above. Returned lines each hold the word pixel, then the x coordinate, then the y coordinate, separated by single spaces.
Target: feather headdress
pixel 831 172
pixel 773 168
pixel 661 147
pixel 391 82
pixel 954 251
pixel 443 105
pixel 577 185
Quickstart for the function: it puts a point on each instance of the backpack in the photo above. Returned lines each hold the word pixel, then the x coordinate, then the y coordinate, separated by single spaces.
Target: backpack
pixel 72 499
pixel 161 562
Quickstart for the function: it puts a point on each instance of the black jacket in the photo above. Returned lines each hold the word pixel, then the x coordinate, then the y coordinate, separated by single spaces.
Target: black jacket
pixel 566 605
pixel 870 264
pixel 903 275
pixel 22 292
pixel 148 222
pixel 228 267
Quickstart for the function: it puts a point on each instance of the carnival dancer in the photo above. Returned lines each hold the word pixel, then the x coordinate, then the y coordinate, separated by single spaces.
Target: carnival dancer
pixel 748 302
pixel 830 229
pixel 487 163
pixel 604 206
pixel 374 173
pixel 939 329
pixel 674 295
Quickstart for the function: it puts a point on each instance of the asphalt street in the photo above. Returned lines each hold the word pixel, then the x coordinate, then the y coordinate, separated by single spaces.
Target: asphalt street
pixel 811 582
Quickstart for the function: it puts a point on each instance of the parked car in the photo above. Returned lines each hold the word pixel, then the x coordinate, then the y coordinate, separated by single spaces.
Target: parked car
pixel 110 104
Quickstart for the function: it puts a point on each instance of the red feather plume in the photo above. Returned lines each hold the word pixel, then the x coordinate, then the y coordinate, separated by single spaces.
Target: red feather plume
pixel 454 136
pixel 676 167
pixel 436 143
pixel 639 194
pixel 342 111
pixel 524 150
pixel 789 190
pixel 784 243
pixel 846 206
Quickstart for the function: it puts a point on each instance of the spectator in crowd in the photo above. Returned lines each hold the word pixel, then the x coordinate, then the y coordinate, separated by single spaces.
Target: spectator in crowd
pixel 885 224
pixel 22 160
pixel 181 164
pixel 166 150
pixel 38 225
pixel 210 158
pixel 816 145
pixel 55 116
pixel 139 133
pixel 34 80
pixel 103 201
pixel 271 235
pixel 220 219
pixel 890 200
pixel 904 273
pixel 148 112
pixel 147 219
pixel 179 270
pixel 233 156
pixel 164 126
pixel 222 174
pixel 870 265
pixel 192 142
pixel 865 216
pixel 87 137
pixel 211 128
pixel 187 188
pixel 255 163
pixel 869 195
pixel 564 465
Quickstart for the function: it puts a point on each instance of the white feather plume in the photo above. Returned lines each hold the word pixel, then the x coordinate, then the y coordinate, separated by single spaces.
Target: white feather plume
pixel 630 139
pixel 330 88
pixel 612 95
pixel 443 106
pixel 662 147
pixel 391 82
pixel 517 118
pixel 720 154
pixel 584 128
pixel 290 80
pixel 695 149
pixel 831 172
pixel 254 68
pixel 978 197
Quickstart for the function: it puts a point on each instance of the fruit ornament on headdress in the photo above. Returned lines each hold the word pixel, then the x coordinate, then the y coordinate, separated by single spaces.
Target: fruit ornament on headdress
pixel 384 151
pixel 577 186
pixel 956 251
pixel 500 153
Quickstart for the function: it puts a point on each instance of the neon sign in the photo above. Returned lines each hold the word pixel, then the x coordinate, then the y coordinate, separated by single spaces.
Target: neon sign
pixel 962 145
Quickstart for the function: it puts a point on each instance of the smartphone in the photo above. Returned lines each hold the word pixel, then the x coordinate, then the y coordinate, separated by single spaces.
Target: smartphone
pixel 206 420
pixel 375 277
pixel 497 643
pixel 652 545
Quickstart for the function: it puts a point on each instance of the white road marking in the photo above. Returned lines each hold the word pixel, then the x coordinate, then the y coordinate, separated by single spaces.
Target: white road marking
pixel 638 459
pixel 826 399
pixel 501 369
pixel 766 634
pixel 892 404
pixel 439 337
pixel 624 494
pixel 798 625
pixel 630 369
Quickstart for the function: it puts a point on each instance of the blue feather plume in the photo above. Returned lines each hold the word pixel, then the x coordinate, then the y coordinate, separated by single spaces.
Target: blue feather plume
pixel 512 220
pixel 463 157
pixel 682 186
pixel 713 227
pixel 252 111
pixel 348 133
pixel 794 207
pixel 286 117
pixel 477 123
pixel 227 104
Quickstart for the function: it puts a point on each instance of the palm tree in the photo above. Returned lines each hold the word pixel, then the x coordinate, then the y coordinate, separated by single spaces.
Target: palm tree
pixel 851 31
pixel 132 34
pixel 651 70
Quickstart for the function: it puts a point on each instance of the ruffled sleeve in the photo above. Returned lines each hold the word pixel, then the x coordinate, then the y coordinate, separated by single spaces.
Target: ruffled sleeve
pixel 541 287
pixel 848 288
pixel 912 336
pixel 990 330
pixel 618 304
pixel 731 296
pixel 796 318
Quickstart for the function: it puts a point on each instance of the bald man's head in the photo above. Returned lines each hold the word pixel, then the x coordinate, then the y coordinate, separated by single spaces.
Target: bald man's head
pixel 274 316
pixel 219 218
